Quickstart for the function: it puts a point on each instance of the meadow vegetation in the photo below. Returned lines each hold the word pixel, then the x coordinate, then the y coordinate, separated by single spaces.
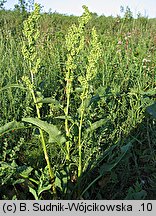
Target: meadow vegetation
pixel 77 106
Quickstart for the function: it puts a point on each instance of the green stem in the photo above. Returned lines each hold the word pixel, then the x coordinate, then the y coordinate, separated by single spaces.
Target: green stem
pixel 67 129
pixel 52 176
pixel 79 141
pixel 68 90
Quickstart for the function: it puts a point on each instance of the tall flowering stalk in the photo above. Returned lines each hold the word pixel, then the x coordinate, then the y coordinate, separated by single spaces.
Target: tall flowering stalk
pixel 75 44
pixel 31 33
pixel 85 81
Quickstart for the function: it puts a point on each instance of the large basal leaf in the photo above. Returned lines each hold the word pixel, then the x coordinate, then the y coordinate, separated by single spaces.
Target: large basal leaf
pixel 54 134
pixel 10 126
pixel 152 110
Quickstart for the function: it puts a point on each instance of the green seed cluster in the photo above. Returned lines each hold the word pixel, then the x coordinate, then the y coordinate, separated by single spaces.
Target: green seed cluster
pixel 75 44
pixel 31 33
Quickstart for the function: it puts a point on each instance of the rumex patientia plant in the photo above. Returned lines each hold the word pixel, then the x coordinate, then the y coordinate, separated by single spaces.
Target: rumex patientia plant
pixel 31 33
pixel 76 47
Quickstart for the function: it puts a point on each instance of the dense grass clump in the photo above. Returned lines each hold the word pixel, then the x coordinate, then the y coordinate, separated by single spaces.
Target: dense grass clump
pixel 75 106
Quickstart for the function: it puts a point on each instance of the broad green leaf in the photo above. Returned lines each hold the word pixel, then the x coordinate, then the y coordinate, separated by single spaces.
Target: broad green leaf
pixel 58 182
pixel 65 117
pixel 93 164
pixel 84 105
pixel 107 167
pixel 152 110
pixel 95 98
pixel 96 125
pixel 135 195
pixel 50 101
pixel 41 189
pixel 12 86
pixel 31 190
pixel 103 91
pixel 79 90
pixel 25 173
pixel 10 126
pixel 18 181
pixel 61 179
pixel 54 134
